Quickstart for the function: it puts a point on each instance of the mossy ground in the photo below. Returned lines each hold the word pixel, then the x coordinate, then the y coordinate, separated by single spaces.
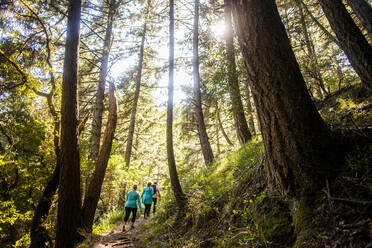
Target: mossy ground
pixel 230 204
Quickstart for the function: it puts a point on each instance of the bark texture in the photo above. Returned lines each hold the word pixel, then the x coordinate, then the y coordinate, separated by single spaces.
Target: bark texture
pixel 175 183
pixel 94 189
pixel 69 200
pixel 128 149
pixel 241 125
pixel 364 13
pixel 352 41
pixel 203 136
pixel 298 144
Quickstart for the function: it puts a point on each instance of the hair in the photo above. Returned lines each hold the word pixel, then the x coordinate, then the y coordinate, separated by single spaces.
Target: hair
pixel 135 186
pixel 148 184
pixel 155 182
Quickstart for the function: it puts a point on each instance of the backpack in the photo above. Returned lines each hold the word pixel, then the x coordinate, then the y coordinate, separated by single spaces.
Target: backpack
pixel 154 188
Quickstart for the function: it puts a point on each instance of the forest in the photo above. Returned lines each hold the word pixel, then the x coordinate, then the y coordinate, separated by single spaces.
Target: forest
pixel 254 117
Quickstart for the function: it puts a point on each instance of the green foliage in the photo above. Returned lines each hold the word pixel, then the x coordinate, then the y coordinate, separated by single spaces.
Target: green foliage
pixel 350 108
pixel 228 207
pixel 109 221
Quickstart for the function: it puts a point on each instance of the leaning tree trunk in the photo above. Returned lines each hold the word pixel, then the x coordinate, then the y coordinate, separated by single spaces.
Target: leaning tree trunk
pixel 128 149
pixel 300 150
pixel 176 186
pixel 311 51
pixel 203 136
pixel 218 116
pixel 352 41
pixel 38 234
pixel 98 109
pixel 69 200
pixel 250 110
pixel 364 13
pixel 100 95
pixel 94 189
pixel 241 125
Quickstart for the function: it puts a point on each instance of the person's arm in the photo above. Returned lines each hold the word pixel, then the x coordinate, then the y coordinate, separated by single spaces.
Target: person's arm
pixel 139 202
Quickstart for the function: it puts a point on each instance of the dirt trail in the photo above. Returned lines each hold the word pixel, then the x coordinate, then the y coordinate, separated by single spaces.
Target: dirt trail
pixel 119 239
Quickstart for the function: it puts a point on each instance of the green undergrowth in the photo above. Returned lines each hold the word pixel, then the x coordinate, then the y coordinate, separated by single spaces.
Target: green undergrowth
pixel 103 225
pixel 229 205
pixel 108 222
pixel 351 107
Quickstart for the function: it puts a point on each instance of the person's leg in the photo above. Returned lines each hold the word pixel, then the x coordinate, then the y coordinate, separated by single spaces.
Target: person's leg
pixel 126 216
pixel 134 213
pixel 127 213
pixel 154 200
pixel 147 210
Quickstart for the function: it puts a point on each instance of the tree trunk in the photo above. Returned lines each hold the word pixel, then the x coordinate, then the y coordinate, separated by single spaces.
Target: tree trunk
pixel 352 41
pixel 128 149
pixel 364 13
pixel 241 125
pixel 203 136
pixel 250 111
pixel 69 200
pixel 325 31
pixel 94 189
pixel 39 235
pixel 218 138
pixel 100 96
pixel 221 126
pixel 176 186
pixel 300 150
pixel 298 144
pixel 311 51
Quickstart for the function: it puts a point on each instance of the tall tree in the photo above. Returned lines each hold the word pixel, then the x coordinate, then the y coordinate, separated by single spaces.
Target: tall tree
pixel 98 109
pixel 94 189
pixel 364 13
pixel 241 125
pixel 203 136
pixel 352 41
pixel 299 148
pixel 69 200
pixel 315 71
pixel 176 186
pixel 128 149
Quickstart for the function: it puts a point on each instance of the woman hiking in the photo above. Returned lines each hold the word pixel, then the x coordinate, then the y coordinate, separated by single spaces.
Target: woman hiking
pixel 147 199
pixel 130 206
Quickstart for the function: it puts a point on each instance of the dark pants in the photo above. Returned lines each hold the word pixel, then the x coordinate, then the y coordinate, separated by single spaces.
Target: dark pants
pixel 127 213
pixel 154 200
pixel 147 210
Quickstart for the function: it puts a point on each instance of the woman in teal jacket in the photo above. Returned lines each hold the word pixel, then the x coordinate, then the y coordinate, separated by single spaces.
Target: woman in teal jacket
pixel 133 199
pixel 147 199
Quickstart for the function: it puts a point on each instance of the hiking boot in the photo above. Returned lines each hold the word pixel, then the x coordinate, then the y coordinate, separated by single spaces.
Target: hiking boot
pixel 123 228
pixel 132 226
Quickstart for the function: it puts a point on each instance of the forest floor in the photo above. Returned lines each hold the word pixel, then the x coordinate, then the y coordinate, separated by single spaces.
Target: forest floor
pixel 119 239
